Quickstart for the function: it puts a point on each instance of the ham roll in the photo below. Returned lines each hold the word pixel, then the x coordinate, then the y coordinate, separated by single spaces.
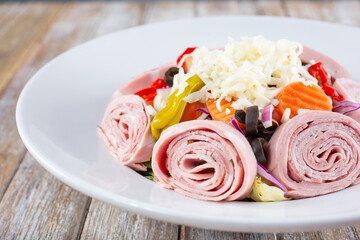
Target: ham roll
pixel 206 160
pixel 350 90
pixel 335 69
pixel 143 81
pixel 126 131
pixel 316 153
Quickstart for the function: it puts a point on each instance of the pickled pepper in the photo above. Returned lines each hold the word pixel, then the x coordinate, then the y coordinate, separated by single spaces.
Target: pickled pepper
pixel 171 114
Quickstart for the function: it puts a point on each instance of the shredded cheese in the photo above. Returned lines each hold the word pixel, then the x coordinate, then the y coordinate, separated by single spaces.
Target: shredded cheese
pixel 250 72
pixel 286 115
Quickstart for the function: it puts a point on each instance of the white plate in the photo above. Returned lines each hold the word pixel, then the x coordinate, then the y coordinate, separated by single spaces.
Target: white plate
pixel 61 105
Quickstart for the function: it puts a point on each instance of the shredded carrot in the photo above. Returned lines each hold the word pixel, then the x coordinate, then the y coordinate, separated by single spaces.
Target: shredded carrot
pixel 190 113
pixel 299 96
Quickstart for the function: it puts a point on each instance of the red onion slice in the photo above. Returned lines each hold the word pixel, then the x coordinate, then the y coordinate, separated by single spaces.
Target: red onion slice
pixel 266 115
pixel 262 171
pixel 236 125
pixel 204 110
pixel 348 106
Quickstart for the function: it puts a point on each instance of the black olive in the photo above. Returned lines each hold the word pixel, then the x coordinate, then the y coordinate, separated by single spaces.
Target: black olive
pixel 240 116
pixel 273 127
pixel 271 85
pixel 267 135
pixel 169 76
pixel 257 146
pixel 251 120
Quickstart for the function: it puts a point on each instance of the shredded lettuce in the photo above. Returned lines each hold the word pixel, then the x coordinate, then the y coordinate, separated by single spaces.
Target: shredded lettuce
pixel 149 174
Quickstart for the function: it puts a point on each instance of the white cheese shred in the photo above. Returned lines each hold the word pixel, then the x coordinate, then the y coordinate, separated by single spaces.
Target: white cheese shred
pixel 248 72
pixel 286 115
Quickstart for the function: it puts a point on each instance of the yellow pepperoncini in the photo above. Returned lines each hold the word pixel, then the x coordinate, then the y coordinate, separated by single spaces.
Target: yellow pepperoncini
pixel 262 192
pixel 171 114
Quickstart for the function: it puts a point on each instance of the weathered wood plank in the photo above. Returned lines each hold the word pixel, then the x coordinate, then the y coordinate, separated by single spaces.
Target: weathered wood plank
pixel 38 206
pixel 20 30
pixel 298 236
pixel 16 45
pixel 76 23
pixel 159 11
pixel 345 233
pixel 216 8
pixel 107 222
pixel 189 233
pixel 306 9
pixel 262 7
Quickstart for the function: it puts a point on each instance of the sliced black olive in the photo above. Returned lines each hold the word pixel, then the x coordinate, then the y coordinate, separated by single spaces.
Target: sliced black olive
pixel 240 116
pixel 169 76
pixel 257 146
pixel 251 120
pixel 267 135
pixel 271 85
pixel 273 127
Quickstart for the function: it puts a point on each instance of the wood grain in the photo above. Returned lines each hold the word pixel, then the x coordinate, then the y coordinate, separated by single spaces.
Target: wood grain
pixel 216 8
pixel 107 222
pixel 15 48
pixel 20 30
pixel 262 7
pixel 38 206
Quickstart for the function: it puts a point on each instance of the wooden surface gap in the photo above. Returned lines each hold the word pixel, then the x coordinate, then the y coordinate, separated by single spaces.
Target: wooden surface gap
pixel 15 169
pixel 355 232
pixel 83 218
pixel 179 232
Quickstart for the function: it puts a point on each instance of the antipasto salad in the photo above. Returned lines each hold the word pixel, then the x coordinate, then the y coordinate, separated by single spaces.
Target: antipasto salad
pixel 255 119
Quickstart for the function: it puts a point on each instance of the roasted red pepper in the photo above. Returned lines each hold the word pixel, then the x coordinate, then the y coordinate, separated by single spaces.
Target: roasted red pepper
pixel 148 94
pixel 317 71
pixel 332 93
pixel 187 51
pixel 158 83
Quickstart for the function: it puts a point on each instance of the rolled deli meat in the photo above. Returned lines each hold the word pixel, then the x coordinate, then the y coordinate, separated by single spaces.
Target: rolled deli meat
pixel 316 153
pixel 350 90
pixel 206 160
pixel 143 80
pixel 125 129
pixel 335 69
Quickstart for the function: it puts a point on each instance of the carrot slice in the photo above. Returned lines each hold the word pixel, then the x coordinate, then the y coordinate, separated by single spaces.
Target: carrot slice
pixel 299 96
pixel 190 113
pixel 216 114
pixel 222 116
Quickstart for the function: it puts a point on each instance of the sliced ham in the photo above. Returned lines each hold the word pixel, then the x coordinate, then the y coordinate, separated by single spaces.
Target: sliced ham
pixel 206 160
pixel 350 90
pixel 335 69
pixel 143 81
pixel 316 153
pixel 126 131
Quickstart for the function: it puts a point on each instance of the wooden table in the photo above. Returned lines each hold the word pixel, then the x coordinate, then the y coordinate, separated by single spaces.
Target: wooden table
pixel 33 203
